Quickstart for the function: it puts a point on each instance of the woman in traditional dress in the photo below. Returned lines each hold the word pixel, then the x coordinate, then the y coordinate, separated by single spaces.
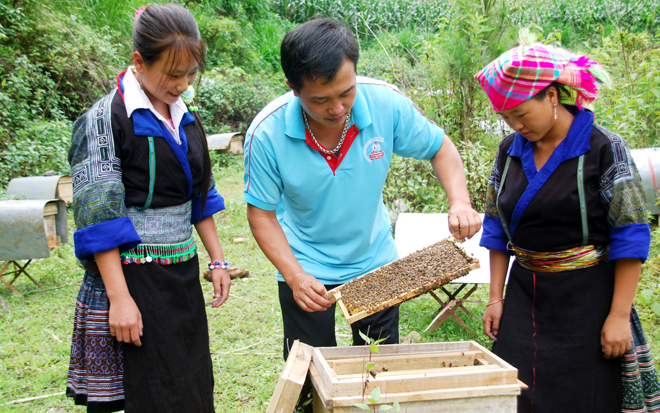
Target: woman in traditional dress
pixel 142 179
pixel 565 198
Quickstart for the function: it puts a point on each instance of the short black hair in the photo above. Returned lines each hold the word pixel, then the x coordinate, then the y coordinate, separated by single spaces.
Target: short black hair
pixel 316 49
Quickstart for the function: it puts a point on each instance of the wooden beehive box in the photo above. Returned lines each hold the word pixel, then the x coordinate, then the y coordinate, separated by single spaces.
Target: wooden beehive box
pixel 227 142
pixel 461 377
pixel 403 279
pixel 65 189
pixel 50 227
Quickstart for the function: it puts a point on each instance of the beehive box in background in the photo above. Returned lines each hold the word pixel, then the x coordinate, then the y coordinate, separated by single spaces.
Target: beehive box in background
pixel 50 226
pixel 231 142
pixel 31 228
pixel 42 187
pixel 461 377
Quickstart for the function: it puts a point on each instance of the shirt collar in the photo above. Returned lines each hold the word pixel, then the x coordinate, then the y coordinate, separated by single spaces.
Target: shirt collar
pixel 577 139
pixel 295 126
pixel 135 98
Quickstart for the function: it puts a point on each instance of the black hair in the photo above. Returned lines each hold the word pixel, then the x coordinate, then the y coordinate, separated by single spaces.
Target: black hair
pixel 171 29
pixel 543 92
pixel 316 50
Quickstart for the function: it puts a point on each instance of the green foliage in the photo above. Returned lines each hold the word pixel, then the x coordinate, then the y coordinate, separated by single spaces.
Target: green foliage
pixel 52 62
pixel 232 98
pixel 226 43
pixel 221 160
pixel 578 21
pixel 241 34
pixel 476 34
pixel 52 68
pixel 648 298
pixel 412 182
pixel 477 163
pixel 365 16
pixel 632 108
pixel 38 148
pixel 243 10
pixel 374 396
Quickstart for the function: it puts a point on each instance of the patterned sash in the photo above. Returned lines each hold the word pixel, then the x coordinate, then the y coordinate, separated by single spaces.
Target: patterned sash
pixel 166 235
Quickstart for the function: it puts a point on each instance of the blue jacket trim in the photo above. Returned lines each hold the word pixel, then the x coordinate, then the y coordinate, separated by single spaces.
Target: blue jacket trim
pixel 118 233
pixel 214 203
pixel 493 235
pixel 630 241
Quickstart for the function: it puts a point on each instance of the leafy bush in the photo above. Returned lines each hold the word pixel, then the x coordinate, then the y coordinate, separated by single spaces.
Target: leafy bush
pixel 477 163
pixel 631 108
pixel 412 183
pixel 52 68
pixel 41 146
pixel 232 98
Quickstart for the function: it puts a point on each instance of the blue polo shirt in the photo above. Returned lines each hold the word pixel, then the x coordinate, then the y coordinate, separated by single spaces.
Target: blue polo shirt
pixel 331 207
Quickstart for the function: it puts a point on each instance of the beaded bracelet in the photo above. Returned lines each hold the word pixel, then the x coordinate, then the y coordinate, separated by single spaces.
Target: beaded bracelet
pixel 223 265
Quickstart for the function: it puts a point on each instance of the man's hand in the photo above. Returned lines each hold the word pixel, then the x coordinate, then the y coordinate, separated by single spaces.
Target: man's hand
pixel 125 320
pixel 615 337
pixel 309 293
pixel 464 222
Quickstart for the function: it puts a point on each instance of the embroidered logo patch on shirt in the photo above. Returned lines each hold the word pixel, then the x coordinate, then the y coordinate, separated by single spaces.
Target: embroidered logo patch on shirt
pixel 372 150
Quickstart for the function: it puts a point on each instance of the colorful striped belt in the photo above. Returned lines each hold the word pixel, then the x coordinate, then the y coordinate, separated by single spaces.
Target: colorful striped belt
pixel 558 261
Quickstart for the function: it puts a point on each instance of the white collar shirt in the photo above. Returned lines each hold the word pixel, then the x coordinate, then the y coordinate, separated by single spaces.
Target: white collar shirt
pixel 135 98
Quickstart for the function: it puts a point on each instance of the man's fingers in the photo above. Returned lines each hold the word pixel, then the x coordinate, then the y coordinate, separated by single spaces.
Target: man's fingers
pixel 319 288
pixel 454 225
pixel 474 225
pixel 307 304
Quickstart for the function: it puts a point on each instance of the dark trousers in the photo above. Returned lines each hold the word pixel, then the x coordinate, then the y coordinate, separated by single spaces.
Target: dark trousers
pixel 318 329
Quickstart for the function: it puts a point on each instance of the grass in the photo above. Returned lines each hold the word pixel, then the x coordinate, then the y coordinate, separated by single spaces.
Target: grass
pixel 245 333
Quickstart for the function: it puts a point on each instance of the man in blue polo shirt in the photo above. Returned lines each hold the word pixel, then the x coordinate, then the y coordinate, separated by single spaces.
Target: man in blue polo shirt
pixel 316 160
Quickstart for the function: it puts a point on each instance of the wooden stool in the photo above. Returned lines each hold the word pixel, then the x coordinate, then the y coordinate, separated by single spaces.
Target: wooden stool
pixel 17 272
pixel 448 308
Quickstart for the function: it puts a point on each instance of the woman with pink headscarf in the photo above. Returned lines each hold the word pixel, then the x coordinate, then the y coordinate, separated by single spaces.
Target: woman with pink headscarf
pixel 565 199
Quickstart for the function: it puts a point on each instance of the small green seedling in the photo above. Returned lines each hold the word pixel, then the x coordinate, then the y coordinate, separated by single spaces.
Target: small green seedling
pixel 375 393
